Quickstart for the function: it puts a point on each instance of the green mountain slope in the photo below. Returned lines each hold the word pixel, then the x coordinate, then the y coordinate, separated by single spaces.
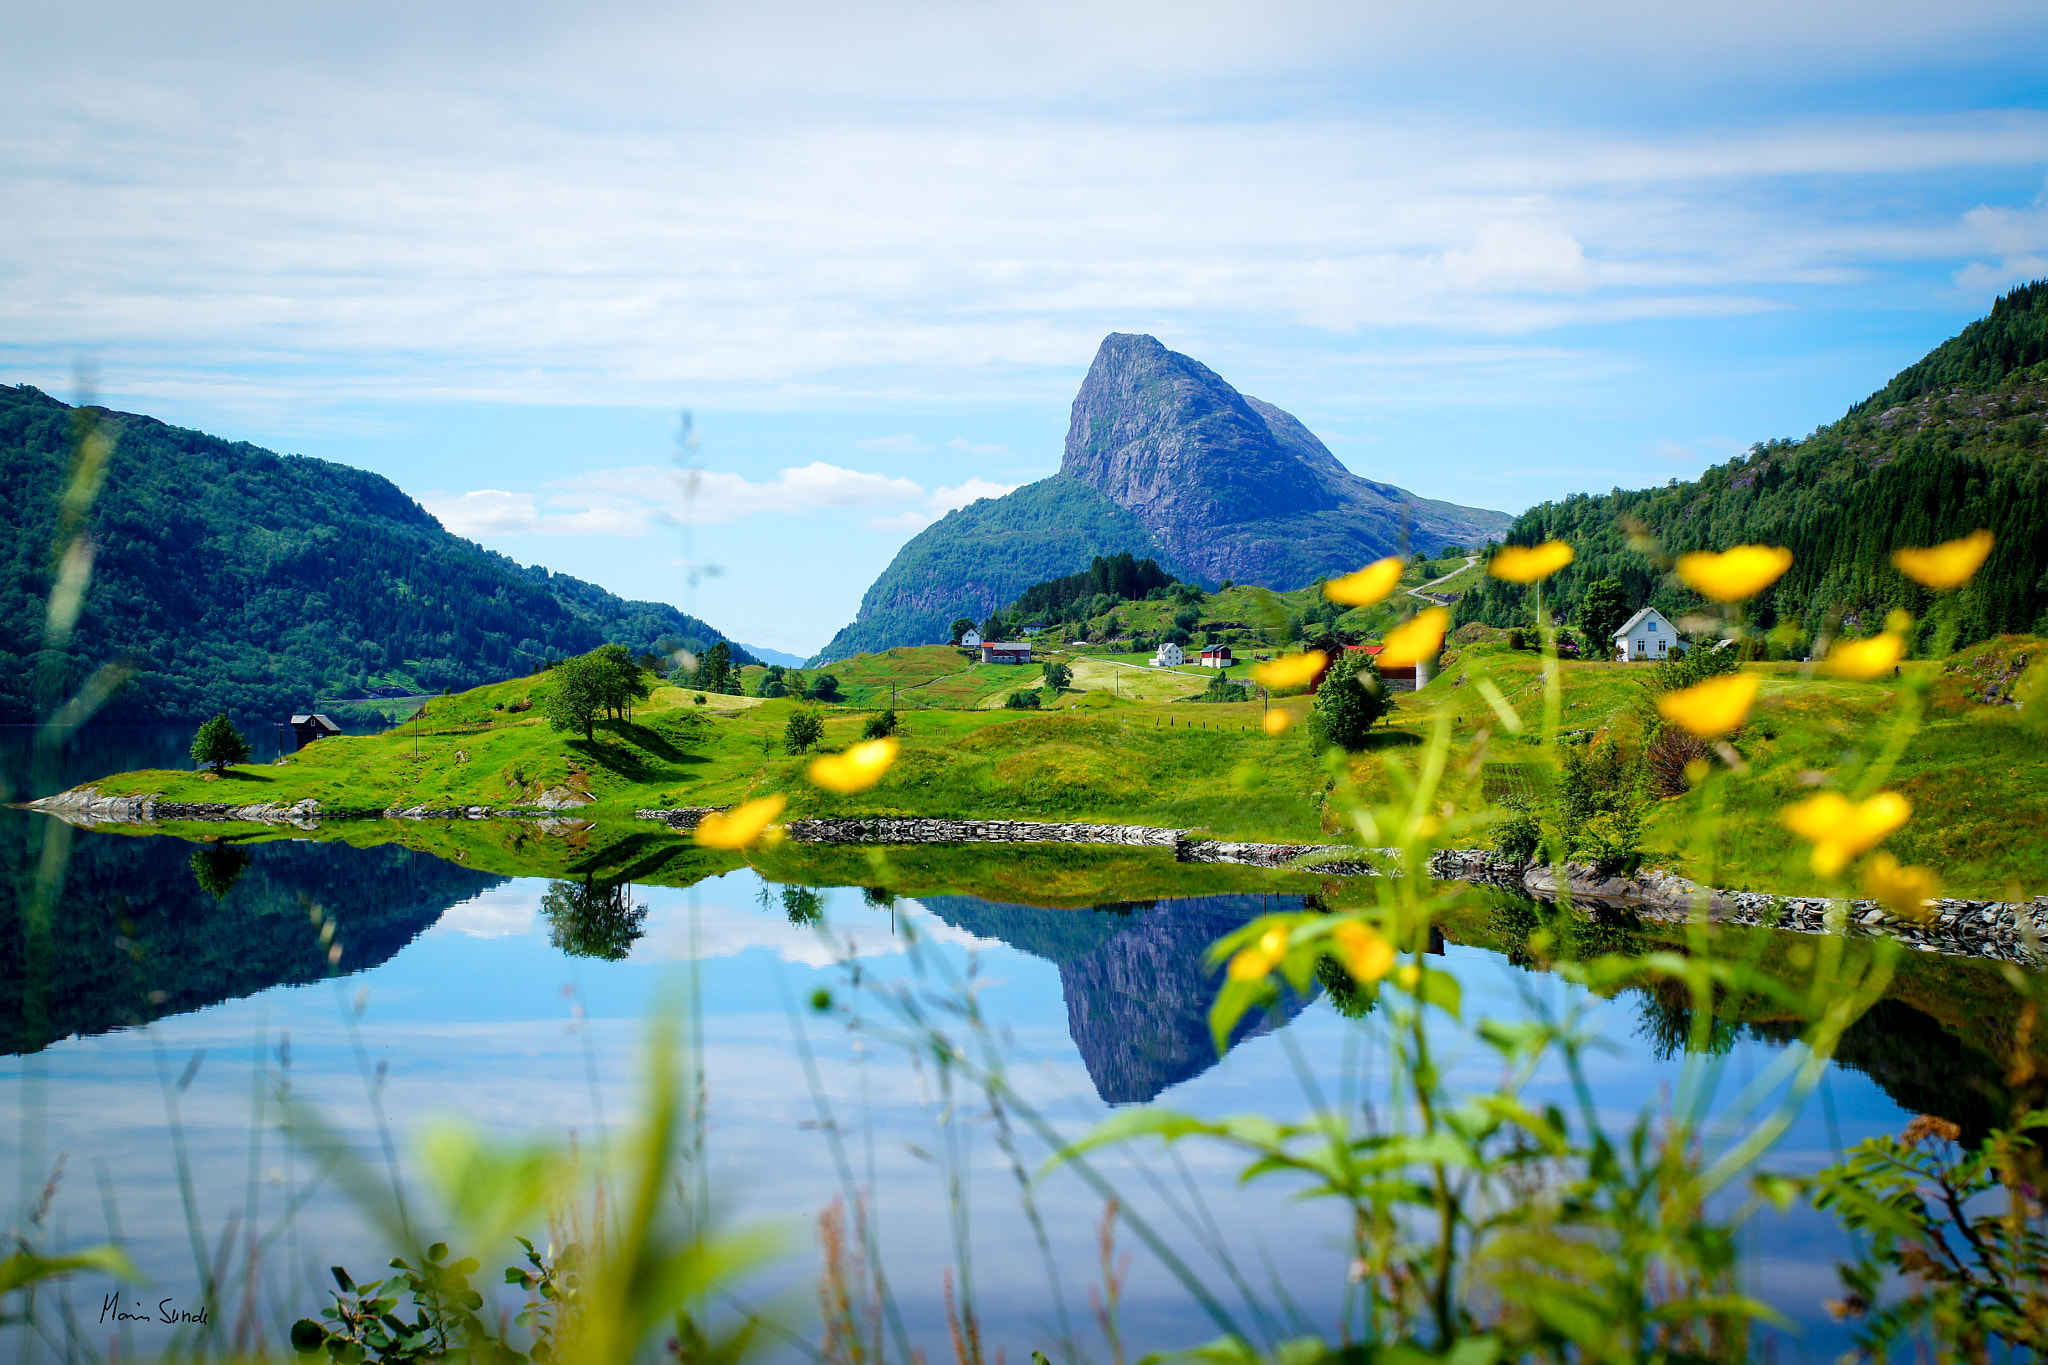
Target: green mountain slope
pixel 981 556
pixel 237 579
pixel 1953 443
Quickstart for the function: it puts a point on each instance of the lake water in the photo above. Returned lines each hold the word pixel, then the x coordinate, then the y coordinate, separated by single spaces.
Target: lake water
pixel 144 1040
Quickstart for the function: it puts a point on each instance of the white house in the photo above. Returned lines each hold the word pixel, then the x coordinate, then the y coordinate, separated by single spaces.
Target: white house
pixel 1170 655
pixel 970 639
pixel 1647 636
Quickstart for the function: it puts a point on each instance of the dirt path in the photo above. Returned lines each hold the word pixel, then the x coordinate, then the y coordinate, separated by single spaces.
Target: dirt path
pixel 1423 591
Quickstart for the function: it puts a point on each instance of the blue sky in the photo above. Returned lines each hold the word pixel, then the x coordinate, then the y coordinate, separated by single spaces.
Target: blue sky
pixel 1494 253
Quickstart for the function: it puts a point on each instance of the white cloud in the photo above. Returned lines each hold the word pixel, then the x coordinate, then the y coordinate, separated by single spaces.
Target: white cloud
pixel 2018 237
pixel 906 444
pixel 630 499
pixel 939 502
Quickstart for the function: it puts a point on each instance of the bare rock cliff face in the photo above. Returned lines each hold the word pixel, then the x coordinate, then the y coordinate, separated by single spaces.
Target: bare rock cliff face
pixel 1233 487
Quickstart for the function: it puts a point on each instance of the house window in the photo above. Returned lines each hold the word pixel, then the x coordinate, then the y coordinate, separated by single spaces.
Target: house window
pixel 1651 626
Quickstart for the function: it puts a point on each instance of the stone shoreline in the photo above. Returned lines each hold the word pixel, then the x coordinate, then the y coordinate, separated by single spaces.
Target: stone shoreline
pixel 1999 930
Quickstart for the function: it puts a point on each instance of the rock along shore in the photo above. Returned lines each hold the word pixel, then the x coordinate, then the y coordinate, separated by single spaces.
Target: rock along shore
pixel 2001 930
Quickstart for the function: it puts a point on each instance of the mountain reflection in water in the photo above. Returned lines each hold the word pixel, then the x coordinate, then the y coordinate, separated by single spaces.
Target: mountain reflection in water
pixel 137 934
pixel 1135 979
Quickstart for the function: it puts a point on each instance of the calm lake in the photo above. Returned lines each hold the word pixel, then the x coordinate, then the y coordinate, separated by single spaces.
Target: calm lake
pixel 142 1044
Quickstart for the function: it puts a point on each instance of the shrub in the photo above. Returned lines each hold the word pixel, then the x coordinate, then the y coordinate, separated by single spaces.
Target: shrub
pixel 1022 701
pixel 880 727
pixel 804 730
pixel 1351 699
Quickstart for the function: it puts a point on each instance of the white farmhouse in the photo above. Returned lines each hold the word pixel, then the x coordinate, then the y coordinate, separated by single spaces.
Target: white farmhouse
pixel 1647 636
pixel 1170 655
pixel 970 639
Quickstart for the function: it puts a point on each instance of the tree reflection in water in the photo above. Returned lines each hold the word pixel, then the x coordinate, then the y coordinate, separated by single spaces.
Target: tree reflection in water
pixel 217 867
pixel 593 918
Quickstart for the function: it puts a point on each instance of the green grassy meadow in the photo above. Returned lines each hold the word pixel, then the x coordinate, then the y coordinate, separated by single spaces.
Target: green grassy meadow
pixel 1122 745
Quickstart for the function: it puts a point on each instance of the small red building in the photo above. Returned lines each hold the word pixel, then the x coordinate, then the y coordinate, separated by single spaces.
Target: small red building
pixel 1217 656
pixel 1005 652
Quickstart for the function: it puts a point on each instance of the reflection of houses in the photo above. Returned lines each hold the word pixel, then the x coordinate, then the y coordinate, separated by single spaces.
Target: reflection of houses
pixel 306 729
pixel 1647 635
pixel 971 639
pixel 1217 656
pixel 1169 655
pixel 1006 652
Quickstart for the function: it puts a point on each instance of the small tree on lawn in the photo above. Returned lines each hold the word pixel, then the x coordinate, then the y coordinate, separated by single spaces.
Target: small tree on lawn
pixel 575 697
pixel 880 727
pixel 1058 677
pixel 804 730
pixel 219 743
pixel 1350 700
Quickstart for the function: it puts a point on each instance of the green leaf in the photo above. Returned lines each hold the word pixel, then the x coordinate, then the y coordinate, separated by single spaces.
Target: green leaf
pixel 308 1336
pixel 25 1268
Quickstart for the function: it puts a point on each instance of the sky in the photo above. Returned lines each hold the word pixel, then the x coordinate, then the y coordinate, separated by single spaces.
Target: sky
pixel 1494 253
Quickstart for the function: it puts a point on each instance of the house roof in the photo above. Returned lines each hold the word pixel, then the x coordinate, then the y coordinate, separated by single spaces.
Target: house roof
pixel 1006 644
pixel 1637 619
pixel 316 719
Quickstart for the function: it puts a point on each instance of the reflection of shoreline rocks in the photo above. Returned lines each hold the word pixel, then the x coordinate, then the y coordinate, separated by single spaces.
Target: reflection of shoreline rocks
pixel 1135 980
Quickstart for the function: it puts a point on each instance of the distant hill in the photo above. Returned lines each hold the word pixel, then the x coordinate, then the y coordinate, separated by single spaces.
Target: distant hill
pixel 771 656
pixel 1953 443
pixel 241 580
pixel 1166 461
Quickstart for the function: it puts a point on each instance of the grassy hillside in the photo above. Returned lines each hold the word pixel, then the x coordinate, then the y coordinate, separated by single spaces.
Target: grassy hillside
pixel 1120 748
pixel 236 579
pixel 1950 445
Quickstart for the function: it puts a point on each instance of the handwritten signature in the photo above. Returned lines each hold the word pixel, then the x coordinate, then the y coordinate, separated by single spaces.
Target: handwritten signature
pixel 112 1311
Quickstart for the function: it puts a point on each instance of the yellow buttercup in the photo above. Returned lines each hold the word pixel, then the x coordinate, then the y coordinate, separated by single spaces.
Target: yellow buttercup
pixel 1291 670
pixel 1364 951
pixel 1839 828
pixel 1902 890
pixel 1277 722
pixel 1713 708
pixel 1948 565
pixel 855 770
pixel 740 826
pixel 1253 963
pixel 1416 640
pixel 1866 659
pixel 1519 564
pixel 1368 585
pixel 1732 575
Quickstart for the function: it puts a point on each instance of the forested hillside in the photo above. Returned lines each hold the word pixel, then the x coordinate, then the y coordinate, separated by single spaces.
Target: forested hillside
pixel 237 579
pixel 1953 443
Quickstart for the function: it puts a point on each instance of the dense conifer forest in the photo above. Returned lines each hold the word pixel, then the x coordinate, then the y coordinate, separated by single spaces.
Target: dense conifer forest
pixel 1953 443
pixel 236 579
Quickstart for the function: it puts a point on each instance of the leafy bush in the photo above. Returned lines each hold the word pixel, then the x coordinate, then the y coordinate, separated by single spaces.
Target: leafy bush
pixel 879 727
pixel 1350 701
pixel 803 731
pixel 1022 701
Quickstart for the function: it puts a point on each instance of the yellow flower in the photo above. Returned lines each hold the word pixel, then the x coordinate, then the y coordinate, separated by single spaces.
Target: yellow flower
pixel 1866 659
pixel 1365 953
pixel 1291 670
pixel 1713 708
pixel 1902 890
pixel 1839 828
pixel 1948 565
pixel 1416 640
pixel 1733 574
pixel 741 825
pixel 1277 722
pixel 1252 964
pixel 1519 565
pixel 1368 585
pixel 857 769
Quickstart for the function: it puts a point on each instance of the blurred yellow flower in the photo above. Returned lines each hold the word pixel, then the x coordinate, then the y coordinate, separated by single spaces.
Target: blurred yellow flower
pixel 1866 659
pixel 1902 890
pixel 1520 565
pixel 1365 952
pixel 857 769
pixel 1733 574
pixel 1713 708
pixel 1948 565
pixel 1839 828
pixel 1368 585
pixel 1253 963
pixel 740 826
pixel 1277 722
pixel 1291 670
pixel 1413 641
